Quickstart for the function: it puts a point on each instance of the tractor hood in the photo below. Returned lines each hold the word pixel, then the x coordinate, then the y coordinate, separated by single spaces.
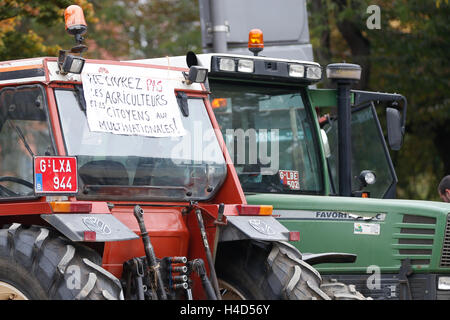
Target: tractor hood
pixel 347 204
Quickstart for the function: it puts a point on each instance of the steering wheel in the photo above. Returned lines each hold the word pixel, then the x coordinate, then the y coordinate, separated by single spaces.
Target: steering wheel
pixel 15 180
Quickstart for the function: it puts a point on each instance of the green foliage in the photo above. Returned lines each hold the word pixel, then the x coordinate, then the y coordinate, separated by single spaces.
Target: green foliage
pixel 25 24
pixel 408 55
pixel 144 29
pixel 117 29
pixel 24 45
pixel 44 11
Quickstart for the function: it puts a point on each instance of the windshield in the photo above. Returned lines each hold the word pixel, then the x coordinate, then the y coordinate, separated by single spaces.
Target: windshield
pixel 131 167
pixel 269 135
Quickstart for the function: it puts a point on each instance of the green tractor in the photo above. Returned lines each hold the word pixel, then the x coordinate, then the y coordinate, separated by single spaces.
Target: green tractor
pixel 320 158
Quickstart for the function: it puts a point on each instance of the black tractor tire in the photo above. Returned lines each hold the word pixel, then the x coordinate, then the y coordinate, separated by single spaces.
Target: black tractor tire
pixel 266 271
pixel 340 291
pixel 43 265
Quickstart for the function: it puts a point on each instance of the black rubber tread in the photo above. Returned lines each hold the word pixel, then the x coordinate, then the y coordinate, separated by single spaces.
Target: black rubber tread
pixel 45 265
pixel 268 271
pixel 333 289
pixel 340 291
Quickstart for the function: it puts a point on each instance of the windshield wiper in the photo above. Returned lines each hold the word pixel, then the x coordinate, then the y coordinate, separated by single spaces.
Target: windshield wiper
pixel 182 100
pixel 80 97
pixel 21 136
pixel 86 187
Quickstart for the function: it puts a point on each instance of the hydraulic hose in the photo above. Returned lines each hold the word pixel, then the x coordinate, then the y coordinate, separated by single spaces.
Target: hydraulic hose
pixel 198 266
pixel 150 254
pixel 208 253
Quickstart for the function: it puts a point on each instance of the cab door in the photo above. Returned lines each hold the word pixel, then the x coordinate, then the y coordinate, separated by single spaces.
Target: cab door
pixel 369 150
pixel 24 133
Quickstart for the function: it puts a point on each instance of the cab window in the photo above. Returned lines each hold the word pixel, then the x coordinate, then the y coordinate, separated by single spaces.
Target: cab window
pixel 24 132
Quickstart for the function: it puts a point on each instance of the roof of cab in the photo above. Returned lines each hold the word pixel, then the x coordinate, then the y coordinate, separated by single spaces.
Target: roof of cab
pixel 45 69
pixel 204 59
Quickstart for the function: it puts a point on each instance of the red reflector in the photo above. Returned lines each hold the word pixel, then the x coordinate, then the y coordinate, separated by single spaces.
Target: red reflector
pixel 294 236
pixel 70 207
pixel 254 210
pixel 81 207
pixel 90 236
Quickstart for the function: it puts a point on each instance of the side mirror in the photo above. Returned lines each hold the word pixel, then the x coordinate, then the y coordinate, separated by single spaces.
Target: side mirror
pixel 192 60
pixel 394 128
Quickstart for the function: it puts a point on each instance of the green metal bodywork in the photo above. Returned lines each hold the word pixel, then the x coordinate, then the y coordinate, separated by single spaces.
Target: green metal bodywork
pixel 324 97
pixel 383 250
pixel 406 231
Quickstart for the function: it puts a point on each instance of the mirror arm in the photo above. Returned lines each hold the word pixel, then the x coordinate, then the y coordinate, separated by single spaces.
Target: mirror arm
pixel 405 103
pixel 366 96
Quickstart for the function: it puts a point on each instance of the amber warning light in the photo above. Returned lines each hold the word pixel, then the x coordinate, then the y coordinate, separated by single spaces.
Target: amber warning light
pixel 219 103
pixel 255 41
pixel 74 18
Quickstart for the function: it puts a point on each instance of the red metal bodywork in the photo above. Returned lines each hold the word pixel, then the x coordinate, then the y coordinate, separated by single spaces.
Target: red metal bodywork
pixel 172 231
pixel 168 233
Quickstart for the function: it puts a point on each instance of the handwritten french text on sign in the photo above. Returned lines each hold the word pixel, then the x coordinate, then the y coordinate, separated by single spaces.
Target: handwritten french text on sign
pixel 55 175
pixel 290 179
pixel 120 100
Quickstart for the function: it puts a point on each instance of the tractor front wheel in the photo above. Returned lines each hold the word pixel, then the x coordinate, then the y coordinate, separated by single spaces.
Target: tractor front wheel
pixel 265 271
pixel 37 263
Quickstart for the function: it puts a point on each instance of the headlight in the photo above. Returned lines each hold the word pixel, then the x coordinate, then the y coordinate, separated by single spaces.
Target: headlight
pixel 444 283
pixel 76 65
pixel 367 177
pixel 296 70
pixel 226 64
pixel 69 63
pixel 196 74
pixel 370 178
pixel 245 65
pixel 313 72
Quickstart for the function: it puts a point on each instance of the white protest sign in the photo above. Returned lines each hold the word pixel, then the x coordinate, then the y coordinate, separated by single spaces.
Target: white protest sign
pixel 130 101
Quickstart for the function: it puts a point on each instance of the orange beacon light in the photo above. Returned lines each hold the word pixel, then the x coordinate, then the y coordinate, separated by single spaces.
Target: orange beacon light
pixel 255 41
pixel 74 19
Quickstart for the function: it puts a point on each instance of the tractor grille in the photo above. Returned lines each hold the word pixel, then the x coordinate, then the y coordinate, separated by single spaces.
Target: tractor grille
pixel 418 244
pixel 445 258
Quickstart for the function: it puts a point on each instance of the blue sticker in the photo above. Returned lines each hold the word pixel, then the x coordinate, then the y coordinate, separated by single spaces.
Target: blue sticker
pixel 38 180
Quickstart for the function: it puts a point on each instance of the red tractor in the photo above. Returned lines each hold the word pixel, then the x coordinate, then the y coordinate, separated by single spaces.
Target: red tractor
pixel 115 183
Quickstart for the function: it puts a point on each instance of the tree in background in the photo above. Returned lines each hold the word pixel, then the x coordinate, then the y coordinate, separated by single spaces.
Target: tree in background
pixel 136 29
pixel 409 55
pixel 117 29
pixel 29 28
